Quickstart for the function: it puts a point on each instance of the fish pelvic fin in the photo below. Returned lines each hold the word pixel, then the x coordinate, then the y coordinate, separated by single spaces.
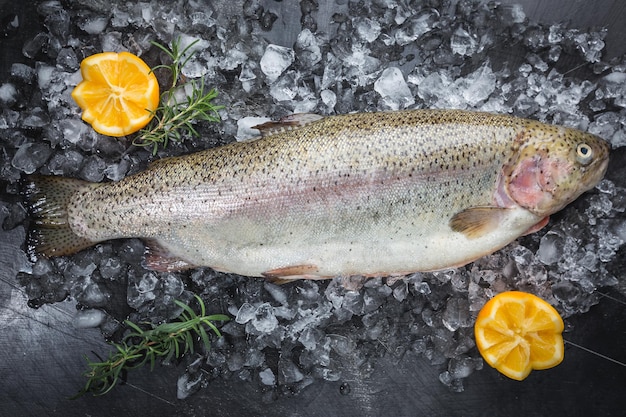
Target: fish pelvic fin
pixel 157 258
pixel 475 222
pixel 46 199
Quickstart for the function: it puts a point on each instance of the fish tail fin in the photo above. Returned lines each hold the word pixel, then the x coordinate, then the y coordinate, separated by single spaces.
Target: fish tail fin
pixel 46 199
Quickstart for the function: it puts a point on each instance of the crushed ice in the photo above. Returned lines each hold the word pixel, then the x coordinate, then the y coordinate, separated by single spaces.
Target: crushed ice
pixel 376 56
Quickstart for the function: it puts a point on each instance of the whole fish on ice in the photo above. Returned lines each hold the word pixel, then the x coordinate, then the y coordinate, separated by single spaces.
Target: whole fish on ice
pixel 369 194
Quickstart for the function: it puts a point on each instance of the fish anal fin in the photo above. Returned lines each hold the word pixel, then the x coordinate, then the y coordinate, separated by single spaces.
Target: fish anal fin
pixel 157 258
pixel 286 123
pixel 475 222
pixel 291 273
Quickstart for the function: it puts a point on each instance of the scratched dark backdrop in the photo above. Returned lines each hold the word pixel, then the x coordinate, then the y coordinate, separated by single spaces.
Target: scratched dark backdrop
pixel 41 356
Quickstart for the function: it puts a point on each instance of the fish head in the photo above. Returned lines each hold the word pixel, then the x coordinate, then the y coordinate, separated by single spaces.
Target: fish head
pixel 552 166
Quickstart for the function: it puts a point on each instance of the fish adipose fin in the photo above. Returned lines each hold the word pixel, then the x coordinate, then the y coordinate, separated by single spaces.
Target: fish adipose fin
pixel 47 199
pixel 290 273
pixel 286 123
pixel 159 259
pixel 475 222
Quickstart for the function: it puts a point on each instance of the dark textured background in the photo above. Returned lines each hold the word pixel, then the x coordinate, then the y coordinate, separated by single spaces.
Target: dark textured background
pixel 41 355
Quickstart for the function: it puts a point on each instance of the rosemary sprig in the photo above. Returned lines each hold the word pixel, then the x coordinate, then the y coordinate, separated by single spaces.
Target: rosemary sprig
pixel 175 117
pixel 166 341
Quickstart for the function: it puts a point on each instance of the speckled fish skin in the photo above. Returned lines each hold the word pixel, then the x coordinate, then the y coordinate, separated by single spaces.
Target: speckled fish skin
pixel 368 194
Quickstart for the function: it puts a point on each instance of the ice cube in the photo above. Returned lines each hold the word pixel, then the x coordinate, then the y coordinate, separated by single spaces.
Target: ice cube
pixel 8 94
pixel 245 127
pixel 288 372
pixel 246 313
pixel 67 59
pixel 367 29
pixel 275 61
pixel 84 319
pixel 276 292
pixel 22 72
pixel 478 86
pixel 264 319
pixel 310 337
pixel 285 88
pixel 456 314
pixel 33 47
pixel 463 43
pixel 31 156
pixel 307 47
pixel 93 169
pixel 550 247
pixel 394 89
pixel 94 25
pixel 188 384
pixel 329 98
pixel 416 26
pixel 267 377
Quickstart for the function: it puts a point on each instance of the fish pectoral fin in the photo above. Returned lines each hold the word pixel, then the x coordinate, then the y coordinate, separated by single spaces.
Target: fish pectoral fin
pixel 292 273
pixel 537 227
pixel 475 222
pixel 286 123
pixel 159 259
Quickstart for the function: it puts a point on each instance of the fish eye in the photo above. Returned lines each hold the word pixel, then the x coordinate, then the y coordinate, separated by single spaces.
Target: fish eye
pixel 584 153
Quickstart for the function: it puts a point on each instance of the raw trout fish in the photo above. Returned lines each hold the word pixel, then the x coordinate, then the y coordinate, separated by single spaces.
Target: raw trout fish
pixel 372 194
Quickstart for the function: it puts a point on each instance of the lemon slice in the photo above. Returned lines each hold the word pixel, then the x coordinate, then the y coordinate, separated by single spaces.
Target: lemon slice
pixel 517 332
pixel 118 94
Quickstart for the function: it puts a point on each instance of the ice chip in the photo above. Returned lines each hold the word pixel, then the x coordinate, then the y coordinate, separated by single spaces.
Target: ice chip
pixel 93 169
pixel 288 372
pixel 276 292
pixel 329 98
pixel 172 285
pixel 392 86
pixel 308 48
pixel 462 42
pixel 416 26
pixel 94 25
pixel 188 385
pixel 367 29
pixel 285 88
pixel 8 94
pixel 92 295
pixel 67 59
pixel 275 61
pixel 85 319
pixel 31 156
pixel 456 314
pixel 310 337
pixel 245 127
pixel 267 377
pixel 246 313
pixel 479 85
pixel 342 345
pixel 550 248
pixel 34 46
pixel 264 319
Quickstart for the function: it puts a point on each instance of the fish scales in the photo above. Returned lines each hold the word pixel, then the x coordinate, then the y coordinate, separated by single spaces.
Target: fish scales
pixel 358 194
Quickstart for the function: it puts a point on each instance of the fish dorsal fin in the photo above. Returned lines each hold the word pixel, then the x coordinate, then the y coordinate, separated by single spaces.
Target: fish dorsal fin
pixel 475 222
pixel 293 121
